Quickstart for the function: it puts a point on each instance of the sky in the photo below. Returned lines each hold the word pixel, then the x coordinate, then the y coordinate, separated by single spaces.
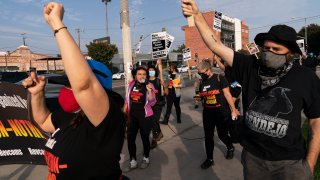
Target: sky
pixel 148 16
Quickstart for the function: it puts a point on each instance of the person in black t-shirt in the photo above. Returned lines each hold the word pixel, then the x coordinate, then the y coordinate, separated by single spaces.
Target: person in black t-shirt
pixel 139 101
pixel 157 108
pixel 85 142
pixel 275 91
pixel 218 109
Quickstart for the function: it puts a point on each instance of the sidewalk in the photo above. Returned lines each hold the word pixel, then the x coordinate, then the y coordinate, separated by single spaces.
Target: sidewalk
pixel 175 158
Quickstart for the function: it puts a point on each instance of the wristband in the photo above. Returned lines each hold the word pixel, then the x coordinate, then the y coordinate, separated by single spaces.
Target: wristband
pixel 57 30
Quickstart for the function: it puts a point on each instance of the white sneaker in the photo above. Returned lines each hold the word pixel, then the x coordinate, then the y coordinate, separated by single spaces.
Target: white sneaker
pixel 133 164
pixel 145 163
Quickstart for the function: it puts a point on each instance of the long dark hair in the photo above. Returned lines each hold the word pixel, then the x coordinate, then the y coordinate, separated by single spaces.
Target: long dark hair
pixel 174 67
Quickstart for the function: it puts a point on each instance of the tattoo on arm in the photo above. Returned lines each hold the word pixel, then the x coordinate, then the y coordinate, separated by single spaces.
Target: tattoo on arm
pixel 214 38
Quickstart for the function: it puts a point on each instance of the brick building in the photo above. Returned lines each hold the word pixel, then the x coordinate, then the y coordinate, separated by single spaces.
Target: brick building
pixel 23 58
pixel 234 34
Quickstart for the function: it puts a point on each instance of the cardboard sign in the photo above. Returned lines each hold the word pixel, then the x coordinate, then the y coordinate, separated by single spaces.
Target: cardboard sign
pixel 252 48
pixel 186 54
pixel 217 21
pixel 21 142
pixel 158 42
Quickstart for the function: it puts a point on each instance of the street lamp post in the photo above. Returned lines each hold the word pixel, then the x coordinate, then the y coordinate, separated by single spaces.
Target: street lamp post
pixel 134 29
pixel 134 37
pixel 106 3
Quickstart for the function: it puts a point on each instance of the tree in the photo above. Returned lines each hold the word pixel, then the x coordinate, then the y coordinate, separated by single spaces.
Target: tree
pixel 102 52
pixel 313 35
pixel 179 48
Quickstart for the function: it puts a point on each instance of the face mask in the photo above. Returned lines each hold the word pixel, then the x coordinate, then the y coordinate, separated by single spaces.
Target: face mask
pixel 273 60
pixel 204 76
pixel 67 101
pixel 152 73
pixel 143 81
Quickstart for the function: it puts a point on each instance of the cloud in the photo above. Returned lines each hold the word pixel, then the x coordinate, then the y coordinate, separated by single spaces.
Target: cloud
pixel 72 15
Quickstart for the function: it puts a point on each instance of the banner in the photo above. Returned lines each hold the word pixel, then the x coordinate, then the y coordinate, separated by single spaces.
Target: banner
pixel 169 41
pixel 21 142
pixel 158 42
pixel 217 21
pixel 186 54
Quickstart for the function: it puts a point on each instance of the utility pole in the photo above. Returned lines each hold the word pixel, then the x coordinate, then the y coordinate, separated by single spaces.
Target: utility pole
pixel 126 41
pixel 305 35
pixel 78 32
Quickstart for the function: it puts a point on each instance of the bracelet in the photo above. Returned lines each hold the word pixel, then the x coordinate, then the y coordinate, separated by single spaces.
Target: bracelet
pixel 57 30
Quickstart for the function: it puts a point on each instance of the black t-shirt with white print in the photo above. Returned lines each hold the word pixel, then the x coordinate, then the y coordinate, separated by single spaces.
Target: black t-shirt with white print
pixel 272 119
pixel 211 92
pixel 138 97
pixel 85 151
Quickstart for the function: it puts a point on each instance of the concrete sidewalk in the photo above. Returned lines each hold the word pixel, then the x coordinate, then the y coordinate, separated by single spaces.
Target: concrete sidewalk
pixel 178 155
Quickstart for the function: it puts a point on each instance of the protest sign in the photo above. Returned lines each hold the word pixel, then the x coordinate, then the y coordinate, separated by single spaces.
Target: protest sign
pixel 21 141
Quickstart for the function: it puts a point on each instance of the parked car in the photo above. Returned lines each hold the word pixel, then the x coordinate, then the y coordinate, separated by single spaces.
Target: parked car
pixel 183 68
pixel 119 75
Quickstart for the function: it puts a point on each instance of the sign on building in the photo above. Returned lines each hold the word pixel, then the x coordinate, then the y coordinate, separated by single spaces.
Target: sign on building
pixel 186 54
pixel 217 21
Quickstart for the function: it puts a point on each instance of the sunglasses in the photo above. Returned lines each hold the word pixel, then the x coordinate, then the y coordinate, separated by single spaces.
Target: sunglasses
pixel 202 72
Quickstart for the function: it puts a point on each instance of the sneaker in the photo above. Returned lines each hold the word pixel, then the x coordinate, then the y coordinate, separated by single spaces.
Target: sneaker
pixel 153 144
pixel 145 163
pixel 207 163
pixel 229 154
pixel 158 137
pixel 132 165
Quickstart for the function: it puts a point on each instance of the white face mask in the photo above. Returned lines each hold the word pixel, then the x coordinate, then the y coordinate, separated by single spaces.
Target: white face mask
pixel 143 81
pixel 273 60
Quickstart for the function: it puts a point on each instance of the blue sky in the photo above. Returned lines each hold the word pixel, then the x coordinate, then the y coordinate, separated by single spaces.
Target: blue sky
pixel 25 16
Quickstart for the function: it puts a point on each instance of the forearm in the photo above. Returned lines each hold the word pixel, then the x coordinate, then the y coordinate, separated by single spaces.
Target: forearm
pixel 221 65
pixel 40 112
pixel 314 143
pixel 229 99
pixel 76 67
pixel 212 41
pixel 150 95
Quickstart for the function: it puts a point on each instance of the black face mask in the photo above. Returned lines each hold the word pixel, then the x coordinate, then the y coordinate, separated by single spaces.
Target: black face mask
pixel 204 76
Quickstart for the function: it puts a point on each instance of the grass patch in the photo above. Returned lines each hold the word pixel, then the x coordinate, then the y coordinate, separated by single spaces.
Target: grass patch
pixel 317 167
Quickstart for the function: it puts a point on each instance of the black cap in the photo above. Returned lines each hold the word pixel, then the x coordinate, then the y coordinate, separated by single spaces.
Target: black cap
pixel 281 34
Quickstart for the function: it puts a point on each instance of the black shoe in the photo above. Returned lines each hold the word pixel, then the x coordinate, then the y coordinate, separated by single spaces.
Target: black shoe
pixel 179 121
pixel 207 163
pixel 229 154
pixel 153 144
pixel 196 106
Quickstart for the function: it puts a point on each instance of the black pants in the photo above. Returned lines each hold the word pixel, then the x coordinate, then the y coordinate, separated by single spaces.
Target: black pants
pixel 172 99
pixel 145 126
pixel 157 110
pixel 215 118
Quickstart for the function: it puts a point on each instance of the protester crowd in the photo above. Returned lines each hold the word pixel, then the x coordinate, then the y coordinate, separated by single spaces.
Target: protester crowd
pixel 92 125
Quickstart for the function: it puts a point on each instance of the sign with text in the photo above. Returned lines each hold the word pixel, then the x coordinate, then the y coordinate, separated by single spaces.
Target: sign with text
pixel 217 21
pixel 158 43
pixel 169 41
pixel 252 48
pixel 21 141
pixel 186 54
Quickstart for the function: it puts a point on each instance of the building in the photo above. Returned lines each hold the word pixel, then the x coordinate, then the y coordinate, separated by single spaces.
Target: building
pixel 23 58
pixel 234 34
pixel 102 40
